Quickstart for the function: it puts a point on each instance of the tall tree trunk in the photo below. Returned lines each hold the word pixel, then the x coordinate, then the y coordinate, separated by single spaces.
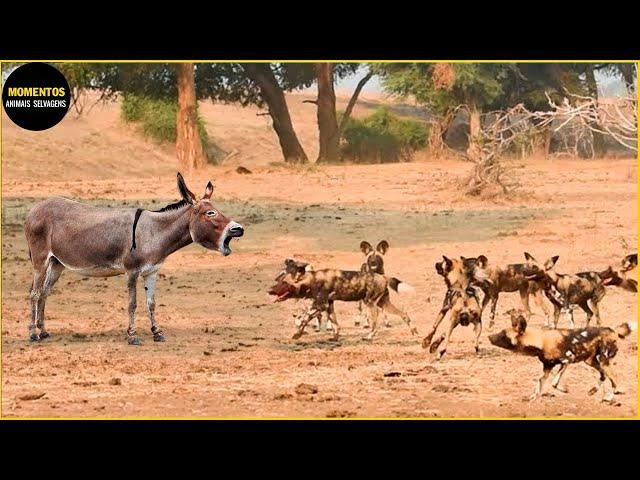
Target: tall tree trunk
pixel 473 150
pixel 592 88
pixel 262 75
pixel 188 144
pixel 353 100
pixel 327 118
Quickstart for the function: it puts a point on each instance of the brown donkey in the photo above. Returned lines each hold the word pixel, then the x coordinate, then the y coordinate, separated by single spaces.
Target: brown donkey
pixel 103 242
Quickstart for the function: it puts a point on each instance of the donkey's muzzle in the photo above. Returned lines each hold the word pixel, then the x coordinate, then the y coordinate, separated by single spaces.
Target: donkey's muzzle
pixel 236 231
pixel 232 230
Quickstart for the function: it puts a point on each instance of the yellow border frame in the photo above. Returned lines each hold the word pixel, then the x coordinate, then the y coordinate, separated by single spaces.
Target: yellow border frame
pixel 637 417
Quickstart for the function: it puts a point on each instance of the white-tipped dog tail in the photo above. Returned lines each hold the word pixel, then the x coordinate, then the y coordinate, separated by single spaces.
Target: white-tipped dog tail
pixel 400 286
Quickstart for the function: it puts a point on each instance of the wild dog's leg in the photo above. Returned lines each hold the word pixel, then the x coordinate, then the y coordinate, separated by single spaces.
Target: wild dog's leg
pixel 132 280
pixel 609 373
pixel 453 322
pixel 494 303
pixel 150 291
pixel 52 274
pixel 485 302
pixel 584 306
pixel 388 307
pixel 311 313
pixel 331 312
pixel 546 371
pixel 524 297
pixel 477 329
pixel 537 297
pixel 555 383
pixel 373 315
pixel 596 310
pixel 556 314
pixel 604 374
pixel 446 306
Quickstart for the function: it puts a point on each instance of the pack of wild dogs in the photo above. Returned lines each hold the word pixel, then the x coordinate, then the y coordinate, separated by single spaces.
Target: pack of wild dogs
pixel 64 234
pixel 466 279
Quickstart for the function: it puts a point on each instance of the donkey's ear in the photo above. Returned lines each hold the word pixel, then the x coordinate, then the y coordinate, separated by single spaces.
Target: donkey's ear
pixel 208 191
pixel 365 247
pixel 382 247
pixel 186 194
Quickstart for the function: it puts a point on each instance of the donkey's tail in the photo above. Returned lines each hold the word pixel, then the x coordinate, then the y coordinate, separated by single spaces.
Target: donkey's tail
pixel 400 286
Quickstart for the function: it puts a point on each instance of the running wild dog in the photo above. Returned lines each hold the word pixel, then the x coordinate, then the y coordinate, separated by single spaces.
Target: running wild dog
pixel 103 242
pixel 585 291
pixel 460 276
pixel 326 286
pixel 595 346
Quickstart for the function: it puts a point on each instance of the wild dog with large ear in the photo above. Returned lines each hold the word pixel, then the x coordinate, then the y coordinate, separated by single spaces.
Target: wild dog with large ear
pixel 366 247
pixel 382 247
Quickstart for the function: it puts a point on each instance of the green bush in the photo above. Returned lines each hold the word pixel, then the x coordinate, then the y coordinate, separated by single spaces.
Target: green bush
pixel 382 137
pixel 157 118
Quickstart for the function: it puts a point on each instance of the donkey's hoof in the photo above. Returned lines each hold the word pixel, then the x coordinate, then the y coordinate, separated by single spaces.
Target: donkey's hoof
pixel 134 341
pixel 159 337
pixel 44 335
pixel 34 337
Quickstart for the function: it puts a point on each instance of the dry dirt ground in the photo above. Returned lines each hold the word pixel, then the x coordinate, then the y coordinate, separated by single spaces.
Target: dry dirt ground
pixel 229 351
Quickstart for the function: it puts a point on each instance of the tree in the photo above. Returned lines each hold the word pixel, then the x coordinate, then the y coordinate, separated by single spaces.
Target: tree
pixel 188 145
pixel 330 131
pixel 273 95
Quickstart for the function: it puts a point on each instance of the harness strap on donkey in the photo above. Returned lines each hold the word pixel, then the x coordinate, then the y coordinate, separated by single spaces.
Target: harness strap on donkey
pixel 135 224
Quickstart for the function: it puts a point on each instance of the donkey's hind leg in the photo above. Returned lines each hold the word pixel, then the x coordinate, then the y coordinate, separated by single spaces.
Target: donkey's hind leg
pixel 51 276
pixel 132 280
pixel 150 291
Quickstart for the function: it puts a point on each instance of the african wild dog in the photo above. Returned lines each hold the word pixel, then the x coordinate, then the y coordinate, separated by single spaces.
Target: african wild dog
pixel 373 263
pixel 511 279
pixel 564 290
pixel 103 242
pixel 612 278
pixel 324 287
pixel 461 276
pixel 595 346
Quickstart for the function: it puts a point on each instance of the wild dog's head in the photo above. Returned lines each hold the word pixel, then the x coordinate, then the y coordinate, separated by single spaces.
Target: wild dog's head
pixel 374 261
pixel 510 338
pixel 286 281
pixel 463 272
pixel 467 307
pixel 613 278
pixel 534 270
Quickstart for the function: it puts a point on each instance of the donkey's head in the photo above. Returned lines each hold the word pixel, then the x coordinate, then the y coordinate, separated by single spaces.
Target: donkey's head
pixel 208 225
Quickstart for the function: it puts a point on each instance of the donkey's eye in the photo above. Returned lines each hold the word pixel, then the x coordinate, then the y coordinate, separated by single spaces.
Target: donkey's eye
pixel 211 213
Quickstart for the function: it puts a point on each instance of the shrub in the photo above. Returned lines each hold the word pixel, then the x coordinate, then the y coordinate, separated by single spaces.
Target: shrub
pixel 382 137
pixel 157 119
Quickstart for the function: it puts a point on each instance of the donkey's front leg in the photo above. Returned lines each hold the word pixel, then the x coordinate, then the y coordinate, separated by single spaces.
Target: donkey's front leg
pixel 150 290
pixel 132 280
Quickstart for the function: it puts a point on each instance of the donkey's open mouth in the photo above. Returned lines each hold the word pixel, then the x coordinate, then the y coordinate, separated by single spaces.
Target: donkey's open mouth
pixel 232 230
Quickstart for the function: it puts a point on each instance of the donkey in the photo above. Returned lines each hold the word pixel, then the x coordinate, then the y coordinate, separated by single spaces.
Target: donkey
pixel 104 242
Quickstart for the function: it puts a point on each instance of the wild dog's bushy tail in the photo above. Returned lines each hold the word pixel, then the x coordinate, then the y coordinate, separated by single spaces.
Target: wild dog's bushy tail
pixel 625 329
pixel 400 286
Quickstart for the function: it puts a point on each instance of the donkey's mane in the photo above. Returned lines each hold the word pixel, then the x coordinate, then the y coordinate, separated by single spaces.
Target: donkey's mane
pixel 173 206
